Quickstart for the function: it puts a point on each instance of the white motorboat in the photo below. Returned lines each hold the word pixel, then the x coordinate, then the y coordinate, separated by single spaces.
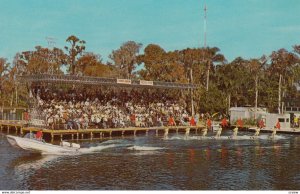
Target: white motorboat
pixel 40 146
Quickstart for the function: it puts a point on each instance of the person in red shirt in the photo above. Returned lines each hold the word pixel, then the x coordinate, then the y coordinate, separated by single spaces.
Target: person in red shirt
pixel 39 135
pixel 239 123
pixel 224 123
pixel 278 125
pixel 261 124
pixel 171 121
pixel 208 124
pixel 192 122
pixel 132 119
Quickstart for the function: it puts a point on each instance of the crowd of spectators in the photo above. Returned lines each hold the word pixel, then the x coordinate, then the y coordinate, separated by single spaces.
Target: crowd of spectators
pixel 96 108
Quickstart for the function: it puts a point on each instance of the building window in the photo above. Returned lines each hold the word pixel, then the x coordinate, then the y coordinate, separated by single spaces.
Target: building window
pixel 281 120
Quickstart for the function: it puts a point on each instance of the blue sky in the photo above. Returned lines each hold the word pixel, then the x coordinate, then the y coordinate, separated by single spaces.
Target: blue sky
pixel 247 28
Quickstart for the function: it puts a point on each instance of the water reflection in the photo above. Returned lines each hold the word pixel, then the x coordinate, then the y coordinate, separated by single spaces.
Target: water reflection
pixel 258 150
pixel 170 159
pixel 239 159
pixel 191 155
pixel 277 149
pixel 207 153
pixel 28 166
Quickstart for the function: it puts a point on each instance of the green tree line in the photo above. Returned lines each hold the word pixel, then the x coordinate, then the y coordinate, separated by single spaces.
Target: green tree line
pixel 269 81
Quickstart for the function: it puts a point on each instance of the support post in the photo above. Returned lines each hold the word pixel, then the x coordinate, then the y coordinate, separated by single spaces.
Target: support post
pixel 77 136
pixel 61 137
pixel 72 136
pixel 81 135
pixel 110 133
pixel 7 129
pixel 147 131
pixel 134 133
pixel 156 132
pixel 91 135
pixel 52 137
pixel 21 130
pixel 123 133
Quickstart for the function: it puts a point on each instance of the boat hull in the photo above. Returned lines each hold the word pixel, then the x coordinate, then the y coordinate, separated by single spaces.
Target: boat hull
pixel 34 145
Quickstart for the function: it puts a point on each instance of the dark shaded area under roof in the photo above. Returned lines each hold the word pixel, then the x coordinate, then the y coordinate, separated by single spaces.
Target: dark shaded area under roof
pixel 86 80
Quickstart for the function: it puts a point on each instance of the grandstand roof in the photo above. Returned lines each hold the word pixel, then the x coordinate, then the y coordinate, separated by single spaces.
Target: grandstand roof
pixel 86 80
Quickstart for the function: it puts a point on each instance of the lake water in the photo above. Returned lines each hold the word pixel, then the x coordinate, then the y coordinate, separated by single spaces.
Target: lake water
pixel 155 163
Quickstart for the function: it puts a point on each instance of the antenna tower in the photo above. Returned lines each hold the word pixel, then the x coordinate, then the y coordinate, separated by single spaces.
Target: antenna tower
pixel 51 43
pixel 205 17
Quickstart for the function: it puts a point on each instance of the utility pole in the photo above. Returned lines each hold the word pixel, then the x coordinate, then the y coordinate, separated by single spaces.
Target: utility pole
pixel 205 18
pixel 192 93
pixel 205 46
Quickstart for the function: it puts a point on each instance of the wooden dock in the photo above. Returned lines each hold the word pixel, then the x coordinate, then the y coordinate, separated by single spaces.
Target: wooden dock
pixel 9 125
pixel 295 131
pixel 19 128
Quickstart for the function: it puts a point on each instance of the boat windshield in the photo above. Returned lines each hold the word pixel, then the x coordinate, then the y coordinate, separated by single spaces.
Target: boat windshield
pixel 29 136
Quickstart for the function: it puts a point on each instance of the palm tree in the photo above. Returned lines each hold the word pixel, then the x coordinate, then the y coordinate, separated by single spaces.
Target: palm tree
pixel 282 63
pixel 212 57
pixel 4 71
pixel 256 67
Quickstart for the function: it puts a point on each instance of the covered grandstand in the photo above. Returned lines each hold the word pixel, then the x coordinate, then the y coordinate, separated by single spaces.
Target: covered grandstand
pixel 82 102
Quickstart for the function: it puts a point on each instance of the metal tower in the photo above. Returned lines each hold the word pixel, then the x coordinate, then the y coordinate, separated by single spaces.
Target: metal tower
pixel 205 17
pixel 51 43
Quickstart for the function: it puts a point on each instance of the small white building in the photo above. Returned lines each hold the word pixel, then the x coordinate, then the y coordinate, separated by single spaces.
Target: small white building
pixel 284 120
pixel 246 113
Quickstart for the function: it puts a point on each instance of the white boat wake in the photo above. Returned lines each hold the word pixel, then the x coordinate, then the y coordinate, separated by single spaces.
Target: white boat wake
pixel 96 148
pixel 241 137
pixel 144 148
